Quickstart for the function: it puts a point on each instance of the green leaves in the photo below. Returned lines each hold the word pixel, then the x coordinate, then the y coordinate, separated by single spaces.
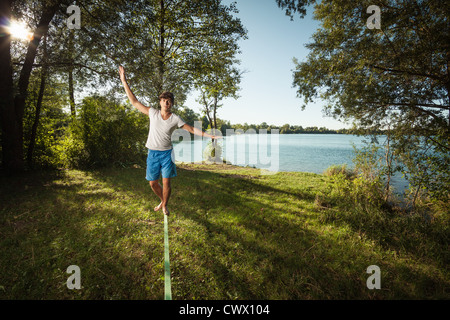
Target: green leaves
pixel 390 76
pixel 294 6
pixel 216 74
pixel 106 133
pixel 175 42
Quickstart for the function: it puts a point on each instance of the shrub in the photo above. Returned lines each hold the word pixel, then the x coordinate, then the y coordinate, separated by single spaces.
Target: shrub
pixel 105 133
pixel 340 169
pixel 213 152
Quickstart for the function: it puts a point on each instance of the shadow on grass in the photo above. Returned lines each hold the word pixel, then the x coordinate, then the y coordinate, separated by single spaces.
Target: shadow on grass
pixel 53 221
pixel 230 238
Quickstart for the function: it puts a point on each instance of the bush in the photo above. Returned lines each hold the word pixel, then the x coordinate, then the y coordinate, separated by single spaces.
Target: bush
pixel 104 134
pixel 339 169
pixel 213 152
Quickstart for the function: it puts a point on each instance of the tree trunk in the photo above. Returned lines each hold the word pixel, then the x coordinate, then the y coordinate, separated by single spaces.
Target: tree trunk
pixel 11 145
pixel 388 158
pixel 13 110
pixel 214 126
pixel 205 102
pixel 161 69
pixel 38 106
pixel 215 112
pixel 71 90
pixel 71 93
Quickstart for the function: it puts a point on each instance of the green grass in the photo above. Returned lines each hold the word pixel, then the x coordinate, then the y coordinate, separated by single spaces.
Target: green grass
pixel 234 234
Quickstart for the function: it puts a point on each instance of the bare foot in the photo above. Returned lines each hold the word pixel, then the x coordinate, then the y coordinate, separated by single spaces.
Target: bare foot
pixel 166 211
pixel 158 207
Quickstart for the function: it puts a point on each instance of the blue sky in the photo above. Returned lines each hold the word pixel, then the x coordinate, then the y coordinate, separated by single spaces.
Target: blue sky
pixel 266 93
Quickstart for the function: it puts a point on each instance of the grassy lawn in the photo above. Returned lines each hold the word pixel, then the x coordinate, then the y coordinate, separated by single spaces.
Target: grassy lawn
pixel 234 234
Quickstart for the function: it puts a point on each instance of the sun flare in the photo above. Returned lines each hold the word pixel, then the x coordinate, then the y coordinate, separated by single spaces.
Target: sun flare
pixel 20 31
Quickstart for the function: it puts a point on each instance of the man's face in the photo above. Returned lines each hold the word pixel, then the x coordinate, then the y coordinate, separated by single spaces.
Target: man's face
pixel 165 104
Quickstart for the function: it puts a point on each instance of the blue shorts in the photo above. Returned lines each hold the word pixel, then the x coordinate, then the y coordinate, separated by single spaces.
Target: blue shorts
pixel 160 162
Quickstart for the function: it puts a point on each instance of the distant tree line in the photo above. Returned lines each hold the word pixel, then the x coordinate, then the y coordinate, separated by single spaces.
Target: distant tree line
pixel 191 116
pixel 289 129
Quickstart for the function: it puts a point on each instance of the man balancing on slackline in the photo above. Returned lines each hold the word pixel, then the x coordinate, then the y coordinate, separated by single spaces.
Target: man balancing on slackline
pixel 162 124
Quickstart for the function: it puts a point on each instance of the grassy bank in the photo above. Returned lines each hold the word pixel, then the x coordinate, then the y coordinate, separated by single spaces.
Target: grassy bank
pixel 234 234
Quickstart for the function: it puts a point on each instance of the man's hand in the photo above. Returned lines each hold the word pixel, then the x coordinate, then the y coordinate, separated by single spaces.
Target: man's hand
pixel 122 74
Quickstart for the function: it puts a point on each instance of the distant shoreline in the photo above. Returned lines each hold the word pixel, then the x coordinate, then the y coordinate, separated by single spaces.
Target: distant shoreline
pixel 288 129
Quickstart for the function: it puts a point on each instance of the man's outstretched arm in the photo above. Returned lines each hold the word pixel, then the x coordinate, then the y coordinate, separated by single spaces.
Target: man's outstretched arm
pixel 130 94
pixel 199 132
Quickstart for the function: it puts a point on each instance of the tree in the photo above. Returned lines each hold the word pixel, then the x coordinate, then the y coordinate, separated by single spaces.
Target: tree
pixel 66 50
pixel 285 129
pixel 45 120
pixel 214 87
pixel 292 7
pixel 43 79
pixel 160 40
pixel 10 129
pixel 179 34
pixel 219 76
pixel 106 133
pixel 189 115
pixel 220 83
pixel 12 107
pixel 398 73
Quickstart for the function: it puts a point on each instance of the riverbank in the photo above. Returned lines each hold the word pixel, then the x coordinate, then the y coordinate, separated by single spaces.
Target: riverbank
pixel 234 234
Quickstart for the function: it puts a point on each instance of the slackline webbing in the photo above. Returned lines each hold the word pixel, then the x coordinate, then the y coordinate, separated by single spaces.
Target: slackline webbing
pixel 167 284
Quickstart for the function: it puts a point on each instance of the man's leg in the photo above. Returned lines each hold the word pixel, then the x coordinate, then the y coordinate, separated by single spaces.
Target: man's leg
pixel 168 171
pixel 153 173
pixel 166 195
pixel 163 193
pixel 156 187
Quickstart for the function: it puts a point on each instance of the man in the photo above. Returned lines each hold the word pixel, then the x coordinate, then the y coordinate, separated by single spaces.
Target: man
pixel 162 124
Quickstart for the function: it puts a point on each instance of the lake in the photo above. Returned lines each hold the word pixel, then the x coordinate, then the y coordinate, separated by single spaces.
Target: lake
pixel 281 152
pixel 296 152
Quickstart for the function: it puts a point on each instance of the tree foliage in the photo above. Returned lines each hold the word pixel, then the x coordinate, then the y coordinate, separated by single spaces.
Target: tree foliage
pixel 293 7
pixel 14 85
pixel 106 133
pixel 179 39
pixel 396 75
pixel 165 45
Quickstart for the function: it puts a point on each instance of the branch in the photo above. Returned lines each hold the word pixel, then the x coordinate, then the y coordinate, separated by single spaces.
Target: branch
pixel 61 64
pixel 416 105
pixel 406 71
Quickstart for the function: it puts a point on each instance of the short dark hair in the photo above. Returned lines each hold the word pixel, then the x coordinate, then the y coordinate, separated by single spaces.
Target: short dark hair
pixel 167 95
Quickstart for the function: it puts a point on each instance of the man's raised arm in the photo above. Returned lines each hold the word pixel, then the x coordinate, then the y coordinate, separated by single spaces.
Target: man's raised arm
pixel 130 94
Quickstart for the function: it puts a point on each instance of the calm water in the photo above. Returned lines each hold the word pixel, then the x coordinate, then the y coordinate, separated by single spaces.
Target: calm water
pixel 286 152
pixel 296 152
pixel 316 152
